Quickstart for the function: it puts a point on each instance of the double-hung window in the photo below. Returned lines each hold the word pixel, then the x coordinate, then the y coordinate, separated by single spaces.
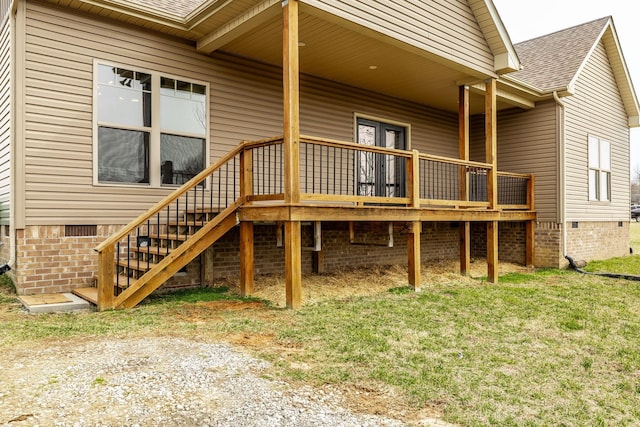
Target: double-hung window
pixel 599 169
pixel 151 128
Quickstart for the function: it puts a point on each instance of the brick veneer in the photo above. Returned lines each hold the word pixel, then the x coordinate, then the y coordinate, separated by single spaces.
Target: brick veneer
pixel 511 241
pixel 548 245
pixel 597 240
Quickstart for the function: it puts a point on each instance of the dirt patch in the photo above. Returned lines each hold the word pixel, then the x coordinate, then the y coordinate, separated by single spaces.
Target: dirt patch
pixel 230 305
pixel 370 281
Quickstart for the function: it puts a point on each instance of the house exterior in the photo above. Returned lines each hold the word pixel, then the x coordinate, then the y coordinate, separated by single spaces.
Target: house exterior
pixel 329 134
pixel 582 124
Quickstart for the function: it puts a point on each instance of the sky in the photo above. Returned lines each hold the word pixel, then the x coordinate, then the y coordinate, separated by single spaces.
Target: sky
pixel 527 19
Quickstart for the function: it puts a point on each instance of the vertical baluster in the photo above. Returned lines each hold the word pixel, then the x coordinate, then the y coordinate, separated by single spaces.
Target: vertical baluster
pixel 211 193
pixel 334 169
pixel 168 209
pixel 117 271
pixel 313 176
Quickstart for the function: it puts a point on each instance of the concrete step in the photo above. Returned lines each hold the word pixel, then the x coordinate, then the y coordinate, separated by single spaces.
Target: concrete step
pixel 54 303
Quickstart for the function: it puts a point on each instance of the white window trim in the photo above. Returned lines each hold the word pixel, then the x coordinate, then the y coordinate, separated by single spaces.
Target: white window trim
pixel 156 131
pixel 598 170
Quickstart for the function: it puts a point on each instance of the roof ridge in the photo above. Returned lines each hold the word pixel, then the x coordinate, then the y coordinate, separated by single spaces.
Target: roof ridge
pixel 604 18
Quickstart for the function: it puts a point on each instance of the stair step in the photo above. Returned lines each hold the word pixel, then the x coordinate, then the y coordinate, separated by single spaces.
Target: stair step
pixel 88 294
pixel 187 223
pixel 123 282
pixel 211 210
pixel 152 250
pixel 171 236
pixel 135 264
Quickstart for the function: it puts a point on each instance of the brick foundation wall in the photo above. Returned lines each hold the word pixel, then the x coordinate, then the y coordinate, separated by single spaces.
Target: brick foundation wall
pixel 597 240
pixel 511 241
pixel 49 261
pixel 548 245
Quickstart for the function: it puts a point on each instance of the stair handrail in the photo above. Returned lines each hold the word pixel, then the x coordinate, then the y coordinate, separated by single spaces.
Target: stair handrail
pixel 187 186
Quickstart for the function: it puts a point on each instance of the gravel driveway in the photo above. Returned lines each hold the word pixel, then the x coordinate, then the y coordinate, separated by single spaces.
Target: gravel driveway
pixel 158 382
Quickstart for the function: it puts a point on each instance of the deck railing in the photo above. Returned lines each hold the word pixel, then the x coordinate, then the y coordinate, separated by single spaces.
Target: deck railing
pixel 338 171
pixel 515 191
pixel 330 172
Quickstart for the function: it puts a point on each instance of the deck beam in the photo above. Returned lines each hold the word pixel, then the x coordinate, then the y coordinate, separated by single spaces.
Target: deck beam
pixel 302 212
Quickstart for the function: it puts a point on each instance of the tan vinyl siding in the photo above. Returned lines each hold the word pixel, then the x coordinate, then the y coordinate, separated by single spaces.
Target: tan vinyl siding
pixel 245 104
pixel 5 122
pixel 447 29
pixel 527 144
pixel 596 109
pixel 5 5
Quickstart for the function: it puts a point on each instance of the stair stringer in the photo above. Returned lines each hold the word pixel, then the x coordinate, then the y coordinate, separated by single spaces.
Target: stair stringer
pixel 180 257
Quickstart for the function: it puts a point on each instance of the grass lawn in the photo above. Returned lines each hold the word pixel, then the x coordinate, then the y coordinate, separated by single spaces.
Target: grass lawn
pixel 549 347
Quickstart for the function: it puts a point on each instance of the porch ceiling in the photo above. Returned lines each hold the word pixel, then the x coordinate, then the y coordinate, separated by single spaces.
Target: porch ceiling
pixel 333 50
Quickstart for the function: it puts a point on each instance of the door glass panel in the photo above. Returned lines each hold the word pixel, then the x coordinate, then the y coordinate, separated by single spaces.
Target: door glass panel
pixel 392 139
pixel 366 161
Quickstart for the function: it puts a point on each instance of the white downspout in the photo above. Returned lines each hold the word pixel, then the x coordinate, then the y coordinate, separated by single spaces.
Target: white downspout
pixel 13 138
pixel 562 156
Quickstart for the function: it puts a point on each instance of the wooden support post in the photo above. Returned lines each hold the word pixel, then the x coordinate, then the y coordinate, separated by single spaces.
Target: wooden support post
pixel 413 243
pixel 317 254
pixel 465 248
pixel 106 277
pixel 279 234
pixel 463 151
pixel 317 236
pixel 293 265
pixel 291 101
pixel 246 174
pixel 206 267
pixel 531 193
pixel 492 251
pixel 318 262
pixel 530 243
pixel 491 142
pixel 463 139
pixel 246 258
pixel 413 179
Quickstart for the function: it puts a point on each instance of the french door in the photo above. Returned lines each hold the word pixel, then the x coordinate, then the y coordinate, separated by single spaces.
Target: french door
pixel 380 175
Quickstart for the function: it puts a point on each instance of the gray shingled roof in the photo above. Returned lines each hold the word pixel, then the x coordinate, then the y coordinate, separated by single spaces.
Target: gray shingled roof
pixel 552 61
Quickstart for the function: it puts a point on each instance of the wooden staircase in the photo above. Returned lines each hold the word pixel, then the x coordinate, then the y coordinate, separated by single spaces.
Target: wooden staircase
pixel 159 243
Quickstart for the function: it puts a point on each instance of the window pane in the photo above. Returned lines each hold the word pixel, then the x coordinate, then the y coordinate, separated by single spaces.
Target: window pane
pixel 605 155
pixel 594 152
pixel 106 74
pixel 593 184
pixel 605 182
pixel 182 158
pixel 181 110
pixel 123 155
pixel 124 97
